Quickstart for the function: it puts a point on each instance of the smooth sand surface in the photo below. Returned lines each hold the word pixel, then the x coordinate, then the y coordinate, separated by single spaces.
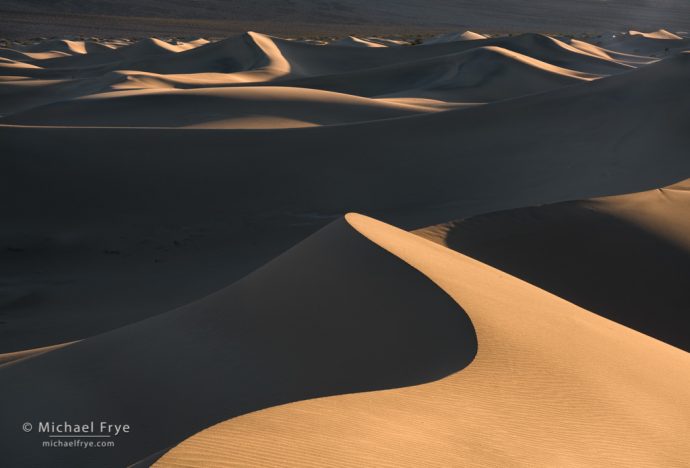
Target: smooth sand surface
pixel 626 257
pixel 551 385
pixel 335 314
pixel 150 190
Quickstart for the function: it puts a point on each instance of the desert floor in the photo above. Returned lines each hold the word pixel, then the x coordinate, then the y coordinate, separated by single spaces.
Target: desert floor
pixel 198 240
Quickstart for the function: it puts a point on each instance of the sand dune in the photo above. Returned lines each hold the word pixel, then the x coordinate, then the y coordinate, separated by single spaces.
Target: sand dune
pixel 626 258
pixel 484 74
pixel 341 316
pixel 216 191
pixel 658 44
pixel 68 46
pixel 451 37
pixel 352 41
pixel 551 385
pixel 483 71
pixel 246 107
pixel 660 34
pixel 138 176
pixel 629 59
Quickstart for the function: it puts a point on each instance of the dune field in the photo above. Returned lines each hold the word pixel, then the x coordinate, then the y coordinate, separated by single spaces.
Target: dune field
pixel 461 250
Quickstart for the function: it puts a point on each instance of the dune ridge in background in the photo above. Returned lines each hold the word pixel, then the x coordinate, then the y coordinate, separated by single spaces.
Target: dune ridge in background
pixel 138 176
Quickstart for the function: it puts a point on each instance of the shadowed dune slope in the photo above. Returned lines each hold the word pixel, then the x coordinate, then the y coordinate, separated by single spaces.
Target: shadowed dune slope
pixel 119 202
pixel 279 57
pixel 59 45
pixel 138 176
pixel 334 314
pixel 620 57
pixel 248 51
pixel 658 43
pixel 479 75
pixel 551 385
pixel 591 152
pixel 308 59
pixel 475 71
pixel 483 74
pixel 625 257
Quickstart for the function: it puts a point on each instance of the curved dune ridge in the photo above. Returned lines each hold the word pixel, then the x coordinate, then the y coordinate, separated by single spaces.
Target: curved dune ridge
pixel 335 314
pixel 552 384
pixel 456 69
pixel 625 257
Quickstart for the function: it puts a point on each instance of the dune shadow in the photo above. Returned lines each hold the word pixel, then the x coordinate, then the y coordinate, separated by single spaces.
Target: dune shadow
pixel 598 261
pixel 336 314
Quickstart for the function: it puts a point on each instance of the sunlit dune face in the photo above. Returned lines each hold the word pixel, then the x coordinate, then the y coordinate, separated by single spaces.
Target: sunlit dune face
pixel 565 378
pixel 453 71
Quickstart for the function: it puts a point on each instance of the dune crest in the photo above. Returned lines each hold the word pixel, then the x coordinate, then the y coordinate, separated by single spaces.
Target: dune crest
pixel 660 34
pixel 551 384
pixel 628 256
pixel 457 36
pixel 343 315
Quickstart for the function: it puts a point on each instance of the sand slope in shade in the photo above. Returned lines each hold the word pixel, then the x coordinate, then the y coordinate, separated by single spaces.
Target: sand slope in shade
pixel 551 385
pixel 657 44
pixel 335 314
pixel 170 215
pixel 625 257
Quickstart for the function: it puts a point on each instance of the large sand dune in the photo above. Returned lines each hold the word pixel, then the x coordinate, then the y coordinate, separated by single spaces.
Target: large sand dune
pixel 342 316
pixel 551 385
pixel 149 188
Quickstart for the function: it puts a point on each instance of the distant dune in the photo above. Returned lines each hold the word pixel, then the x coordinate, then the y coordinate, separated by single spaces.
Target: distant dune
pixel 176 251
